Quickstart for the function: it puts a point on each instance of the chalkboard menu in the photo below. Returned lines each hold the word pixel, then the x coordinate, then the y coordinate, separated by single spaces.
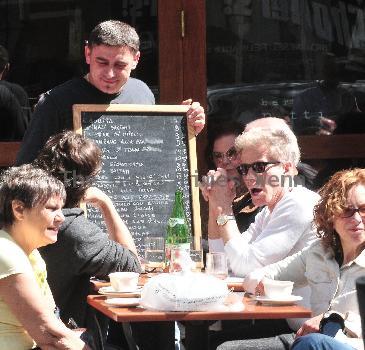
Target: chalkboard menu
pixel 148 152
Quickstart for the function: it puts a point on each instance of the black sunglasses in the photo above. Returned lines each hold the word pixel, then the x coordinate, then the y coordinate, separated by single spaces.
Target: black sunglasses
pixel 349 212
pixel 257 167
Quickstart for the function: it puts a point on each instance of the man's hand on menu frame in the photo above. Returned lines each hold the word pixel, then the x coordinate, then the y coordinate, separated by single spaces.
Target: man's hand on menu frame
pixel 195 115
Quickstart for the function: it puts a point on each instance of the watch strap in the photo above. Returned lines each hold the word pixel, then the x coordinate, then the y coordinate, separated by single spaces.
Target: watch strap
pixel 331 317
pixel 222 219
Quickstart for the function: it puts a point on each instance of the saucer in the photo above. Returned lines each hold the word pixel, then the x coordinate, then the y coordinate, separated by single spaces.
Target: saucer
pixel 109 291
pixel 288 300
pixel 122 302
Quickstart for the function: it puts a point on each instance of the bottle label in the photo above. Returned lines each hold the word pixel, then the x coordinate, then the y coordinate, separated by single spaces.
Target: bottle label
pixel 175 221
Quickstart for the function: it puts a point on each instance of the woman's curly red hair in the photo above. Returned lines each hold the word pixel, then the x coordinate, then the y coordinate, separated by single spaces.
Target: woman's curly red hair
pixel 332 203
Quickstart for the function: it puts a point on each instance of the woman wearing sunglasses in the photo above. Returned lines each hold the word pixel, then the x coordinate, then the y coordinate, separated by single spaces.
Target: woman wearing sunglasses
pixel 221 153
pixel 330 266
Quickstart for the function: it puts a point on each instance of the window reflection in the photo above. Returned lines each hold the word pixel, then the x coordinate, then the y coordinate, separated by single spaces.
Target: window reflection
pixel 303 60
pixel 45 38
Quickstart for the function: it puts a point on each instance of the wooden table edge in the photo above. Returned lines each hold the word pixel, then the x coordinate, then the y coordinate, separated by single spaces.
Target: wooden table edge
pixel 251 311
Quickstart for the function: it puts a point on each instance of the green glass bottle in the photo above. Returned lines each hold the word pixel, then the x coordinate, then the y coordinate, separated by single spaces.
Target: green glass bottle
pixel 178 232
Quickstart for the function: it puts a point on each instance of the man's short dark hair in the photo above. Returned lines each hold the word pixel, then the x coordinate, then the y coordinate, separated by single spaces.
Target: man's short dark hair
pixel 4 57
pixel 114 33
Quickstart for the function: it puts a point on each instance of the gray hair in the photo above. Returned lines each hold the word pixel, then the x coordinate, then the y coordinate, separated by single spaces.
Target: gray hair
pixel 114 33
pixel 281 143
pixel 28 184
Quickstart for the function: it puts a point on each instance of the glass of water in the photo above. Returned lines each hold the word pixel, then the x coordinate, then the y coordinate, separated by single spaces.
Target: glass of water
pixel 216 264
pixel 154 252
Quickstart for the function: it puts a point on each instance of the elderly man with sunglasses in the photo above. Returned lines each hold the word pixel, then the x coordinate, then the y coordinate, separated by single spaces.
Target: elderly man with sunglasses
pixel 269 154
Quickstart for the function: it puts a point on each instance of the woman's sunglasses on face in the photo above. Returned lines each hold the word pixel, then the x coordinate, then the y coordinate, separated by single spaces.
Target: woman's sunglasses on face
pixel 257 167
pixel 350 212
pixel 230 155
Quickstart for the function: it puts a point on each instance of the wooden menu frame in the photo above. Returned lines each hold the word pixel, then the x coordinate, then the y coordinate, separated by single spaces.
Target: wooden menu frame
pixel 163 111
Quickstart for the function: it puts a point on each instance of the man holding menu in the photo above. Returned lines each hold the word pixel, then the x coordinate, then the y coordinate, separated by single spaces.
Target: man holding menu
pixel 112 52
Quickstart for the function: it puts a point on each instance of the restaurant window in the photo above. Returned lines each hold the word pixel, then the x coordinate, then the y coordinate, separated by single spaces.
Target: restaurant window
pixel 45 38
pixel 303 60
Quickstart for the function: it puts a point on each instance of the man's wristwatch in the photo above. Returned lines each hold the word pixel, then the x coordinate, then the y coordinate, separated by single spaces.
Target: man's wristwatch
pixel 331 316
pixel 222 219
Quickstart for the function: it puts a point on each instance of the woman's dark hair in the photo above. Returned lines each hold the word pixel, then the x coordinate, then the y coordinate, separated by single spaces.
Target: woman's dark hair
pixel 217 130
pixel 28 184
pixel 74 160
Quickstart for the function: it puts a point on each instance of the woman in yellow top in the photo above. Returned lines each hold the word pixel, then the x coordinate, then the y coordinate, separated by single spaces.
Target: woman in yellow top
pixel 30 216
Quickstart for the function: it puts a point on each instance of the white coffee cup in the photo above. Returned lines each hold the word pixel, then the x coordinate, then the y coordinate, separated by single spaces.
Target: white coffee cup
pixel 277 289
pixel 124 281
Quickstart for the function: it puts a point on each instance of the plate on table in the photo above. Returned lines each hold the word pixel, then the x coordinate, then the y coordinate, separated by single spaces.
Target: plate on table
pixel 289 300
pixel 109 291
pixel 122 302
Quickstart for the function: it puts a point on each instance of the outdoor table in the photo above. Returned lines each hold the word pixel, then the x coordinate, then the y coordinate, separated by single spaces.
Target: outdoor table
pixel 196 325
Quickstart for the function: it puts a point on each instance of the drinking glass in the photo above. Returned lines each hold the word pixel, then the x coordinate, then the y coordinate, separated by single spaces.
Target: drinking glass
pixel 216 264
pixel 154 252
pixel 180 259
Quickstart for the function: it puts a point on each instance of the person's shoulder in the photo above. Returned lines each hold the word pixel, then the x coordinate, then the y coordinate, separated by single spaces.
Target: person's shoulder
pixel 68 86
pixel 134 82
pixel 73 217
pixel 317 248
pixel 5 90
pixel 63 96
pixel 7 242
pixel 299 200
pixel 6 96
pixel 9 85
pixel 14 87
pixel 12 257
pixel 78 227
pixel 300 194
pixel 138 91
